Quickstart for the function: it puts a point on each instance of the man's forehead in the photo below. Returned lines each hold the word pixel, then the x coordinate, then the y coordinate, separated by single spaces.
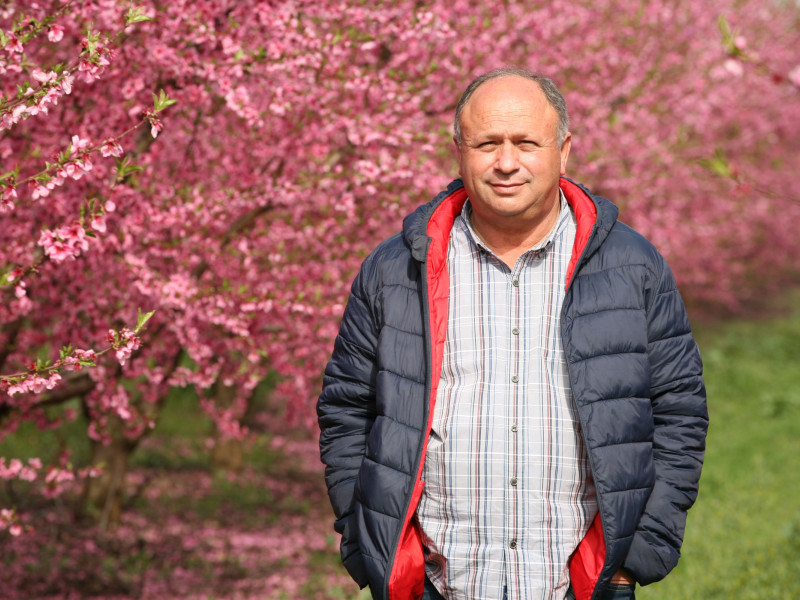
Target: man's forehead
pixel 512 82
pixel 507 94
pixel 510 101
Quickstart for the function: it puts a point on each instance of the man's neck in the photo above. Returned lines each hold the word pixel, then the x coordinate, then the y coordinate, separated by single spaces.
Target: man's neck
pixel 509 241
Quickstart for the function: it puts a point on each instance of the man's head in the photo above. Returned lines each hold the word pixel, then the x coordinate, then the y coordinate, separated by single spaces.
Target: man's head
pixel 511 150
pixel 546 85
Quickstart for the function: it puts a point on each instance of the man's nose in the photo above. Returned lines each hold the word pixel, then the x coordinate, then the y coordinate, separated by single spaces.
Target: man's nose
pixel 507 158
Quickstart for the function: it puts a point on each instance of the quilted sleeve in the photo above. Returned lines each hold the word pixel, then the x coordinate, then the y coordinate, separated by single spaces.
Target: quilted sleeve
pixel 346 412
pixel 680 417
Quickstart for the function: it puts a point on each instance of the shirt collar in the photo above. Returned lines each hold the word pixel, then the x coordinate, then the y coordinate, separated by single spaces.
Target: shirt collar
pixel 542 246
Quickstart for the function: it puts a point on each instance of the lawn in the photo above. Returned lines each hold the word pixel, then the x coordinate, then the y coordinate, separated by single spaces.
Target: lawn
pixel 191 531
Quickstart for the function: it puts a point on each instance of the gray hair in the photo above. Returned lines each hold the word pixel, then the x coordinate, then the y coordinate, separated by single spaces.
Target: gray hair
pixel 547 86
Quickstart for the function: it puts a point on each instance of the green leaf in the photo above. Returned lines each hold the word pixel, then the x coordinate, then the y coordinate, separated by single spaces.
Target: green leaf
pixel 12 175
pixel 143 318
pixel 728 38
pixel 162 101
pixel 135 15
pixel 125 167
pixel 92 40
pixel 717 164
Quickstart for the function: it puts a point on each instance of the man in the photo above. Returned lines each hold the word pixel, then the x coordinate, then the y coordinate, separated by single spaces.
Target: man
pixel 514 407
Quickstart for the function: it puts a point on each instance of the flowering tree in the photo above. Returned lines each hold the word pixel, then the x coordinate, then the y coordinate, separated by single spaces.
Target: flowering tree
pixel 186 187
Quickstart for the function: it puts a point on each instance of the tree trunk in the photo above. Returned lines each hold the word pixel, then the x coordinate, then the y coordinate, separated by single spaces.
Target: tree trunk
pixel 103 496
pixel 227 455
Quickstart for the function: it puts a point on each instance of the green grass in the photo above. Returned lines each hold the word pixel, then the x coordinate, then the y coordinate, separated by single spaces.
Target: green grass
pixel 743 535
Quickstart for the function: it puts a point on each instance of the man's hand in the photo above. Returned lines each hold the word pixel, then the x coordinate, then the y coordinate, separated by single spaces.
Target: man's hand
pixel 623 577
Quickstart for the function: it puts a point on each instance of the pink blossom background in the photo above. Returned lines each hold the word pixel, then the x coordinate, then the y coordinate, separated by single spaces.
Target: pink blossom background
pixel 187 188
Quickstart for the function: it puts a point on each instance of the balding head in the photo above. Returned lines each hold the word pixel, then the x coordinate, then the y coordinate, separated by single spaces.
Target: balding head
pixel 546 85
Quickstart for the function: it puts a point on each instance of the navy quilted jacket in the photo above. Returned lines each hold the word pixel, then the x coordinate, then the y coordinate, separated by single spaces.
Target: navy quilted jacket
pixel 636 380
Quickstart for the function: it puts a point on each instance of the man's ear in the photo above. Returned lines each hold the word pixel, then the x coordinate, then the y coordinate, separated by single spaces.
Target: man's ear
pixel 457 154
pixel 565 147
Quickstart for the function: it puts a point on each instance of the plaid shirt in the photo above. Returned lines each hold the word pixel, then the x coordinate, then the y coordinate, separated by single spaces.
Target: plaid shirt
pixel 508 492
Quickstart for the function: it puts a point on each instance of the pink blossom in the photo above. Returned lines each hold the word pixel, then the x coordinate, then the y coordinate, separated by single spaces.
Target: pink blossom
pixel 27 474
pixel 13 44
pixel 65 243
pixel 56 475
pixel 155 127
pixel 111 147
pixel 73 170
pixel 37 384
pixel 79 143
pixel 90 472
pixel 90 71
pixel 66 83
pixel 734 67
pixel 53 380
pixel 98 223
pixel 12 470
pixel 55 34
pixel 125 343
pixel 794 76
pixel 39 191
pixel 43 77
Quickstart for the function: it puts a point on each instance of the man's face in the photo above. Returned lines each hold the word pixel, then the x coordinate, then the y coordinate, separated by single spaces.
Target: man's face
pixel 510 159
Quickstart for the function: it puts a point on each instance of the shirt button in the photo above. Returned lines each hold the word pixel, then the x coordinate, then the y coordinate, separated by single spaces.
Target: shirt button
pixel 514 428
pixel 515 282
pixel 515 331
pixel 514 378
pixel 513 481
pixel 512 544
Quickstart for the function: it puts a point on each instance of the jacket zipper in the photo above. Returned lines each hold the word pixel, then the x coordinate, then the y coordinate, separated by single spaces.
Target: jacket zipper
pixel 426 317
pixel 569 373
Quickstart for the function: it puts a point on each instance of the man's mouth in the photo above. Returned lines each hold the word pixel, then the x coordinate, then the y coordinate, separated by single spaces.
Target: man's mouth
pixel 506 187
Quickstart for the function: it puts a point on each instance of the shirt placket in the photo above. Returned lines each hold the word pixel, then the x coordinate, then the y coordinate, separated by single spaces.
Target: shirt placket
pixel 513 535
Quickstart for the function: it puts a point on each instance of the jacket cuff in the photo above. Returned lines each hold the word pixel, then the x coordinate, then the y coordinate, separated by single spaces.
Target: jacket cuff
pixel 352 559
pixel 354 563
pixel 649 561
